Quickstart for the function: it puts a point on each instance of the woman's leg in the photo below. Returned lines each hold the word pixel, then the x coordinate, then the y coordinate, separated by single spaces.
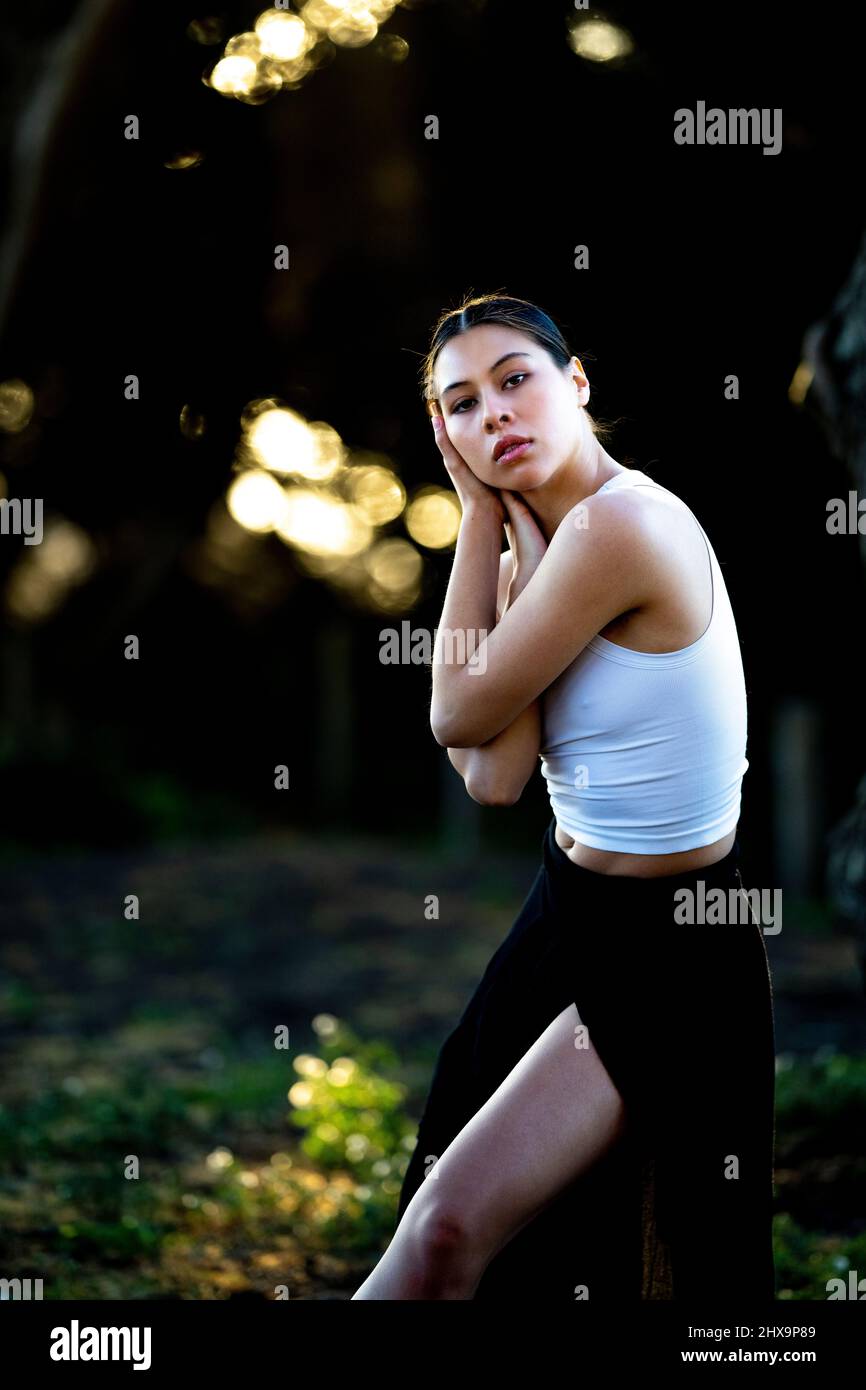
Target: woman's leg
pixel 486 1043
pixel 555 1114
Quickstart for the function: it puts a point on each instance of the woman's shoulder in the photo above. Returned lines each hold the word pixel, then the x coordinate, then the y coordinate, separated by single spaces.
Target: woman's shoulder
pixel 653 531
pixel 673 541
pixel 642 496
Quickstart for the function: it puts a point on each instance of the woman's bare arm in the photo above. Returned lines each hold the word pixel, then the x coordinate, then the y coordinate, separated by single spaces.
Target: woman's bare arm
pixel 496 772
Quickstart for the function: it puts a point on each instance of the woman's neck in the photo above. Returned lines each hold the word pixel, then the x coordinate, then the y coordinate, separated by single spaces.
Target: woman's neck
pixel 573 482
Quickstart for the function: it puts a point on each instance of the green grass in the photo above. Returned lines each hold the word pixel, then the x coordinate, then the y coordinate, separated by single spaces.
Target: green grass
pixel 820 1172
pixel 154 1165
pixel 130 1175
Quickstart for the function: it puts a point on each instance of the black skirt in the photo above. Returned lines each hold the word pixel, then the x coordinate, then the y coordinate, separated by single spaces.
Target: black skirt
pixel 681 1015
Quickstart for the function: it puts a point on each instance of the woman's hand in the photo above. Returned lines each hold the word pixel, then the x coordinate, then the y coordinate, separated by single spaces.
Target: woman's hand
pixel 474 495
pixel 526 540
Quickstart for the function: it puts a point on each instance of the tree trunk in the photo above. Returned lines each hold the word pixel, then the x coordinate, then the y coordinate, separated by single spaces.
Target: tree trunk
pixel 835 349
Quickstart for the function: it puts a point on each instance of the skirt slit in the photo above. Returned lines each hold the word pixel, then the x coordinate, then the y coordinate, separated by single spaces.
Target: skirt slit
pixel 681 1015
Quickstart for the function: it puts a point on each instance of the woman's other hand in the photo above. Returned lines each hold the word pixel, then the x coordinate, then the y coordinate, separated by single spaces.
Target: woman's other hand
pixel 474 495
pixel 526 540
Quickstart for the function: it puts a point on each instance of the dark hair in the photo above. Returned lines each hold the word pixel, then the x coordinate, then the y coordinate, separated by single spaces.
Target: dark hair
pixel 497 307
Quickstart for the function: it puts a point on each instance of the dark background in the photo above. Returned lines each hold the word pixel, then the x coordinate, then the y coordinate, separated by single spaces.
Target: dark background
pixel 703 262
pixel 305 908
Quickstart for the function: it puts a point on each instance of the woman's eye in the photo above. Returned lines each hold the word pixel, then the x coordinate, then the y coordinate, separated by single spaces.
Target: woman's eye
pixel 513 377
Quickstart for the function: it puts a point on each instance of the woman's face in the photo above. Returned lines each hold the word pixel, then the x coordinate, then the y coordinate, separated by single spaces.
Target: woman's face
pixel 527 395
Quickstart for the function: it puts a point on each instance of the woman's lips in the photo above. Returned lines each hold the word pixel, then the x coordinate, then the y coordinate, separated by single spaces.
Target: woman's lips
pixel 515 452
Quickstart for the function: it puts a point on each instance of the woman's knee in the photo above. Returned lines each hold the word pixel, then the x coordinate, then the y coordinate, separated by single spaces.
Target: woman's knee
pixel 449 1257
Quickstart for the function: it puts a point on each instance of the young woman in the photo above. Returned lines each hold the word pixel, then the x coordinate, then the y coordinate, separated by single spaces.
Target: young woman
pixel 600 1122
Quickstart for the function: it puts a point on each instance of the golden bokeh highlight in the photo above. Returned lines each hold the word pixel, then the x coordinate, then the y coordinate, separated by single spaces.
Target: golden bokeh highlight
pixel 297 479
pixel 378 492
pixel 307 1065
pixel 393 48
pixel 235 76
pixel 327 1132
pixel 278 52
pixel 325 1025
pixel 256 501
pixel 66 554
pixel 45 573
pixel 16 405
pixel 433 517
pixel 322 524
pixel 341 1071
pixel 245 45
pixel 394 569
pixel 394 563
pixel 192 423
pixel 300 1094
pixel 800 383
pixel 351 25
pixel 341 570
pixel 282 48
pixel 219 1160
pixel 187 159
pixel 282 35
pixel 599 41
pixel 328 461
pixel 282 441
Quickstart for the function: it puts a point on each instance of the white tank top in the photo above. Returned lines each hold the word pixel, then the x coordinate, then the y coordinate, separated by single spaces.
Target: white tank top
pixel 645 752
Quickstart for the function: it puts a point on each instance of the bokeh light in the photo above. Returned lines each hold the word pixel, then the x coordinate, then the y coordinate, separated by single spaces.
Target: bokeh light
pixel 298 479
pixel 394 569
pixel 192 423
pixel 16 405
pixel 378 492
pixel 282 48
pixel 282 35
pixel 433 517
pixel 281 441
pixel 322 524
pixel 184 159
pixel 234 76
pixel 599 41
pixel 256 500
pixel 307 1065
pixel 45 573
pixel 800 383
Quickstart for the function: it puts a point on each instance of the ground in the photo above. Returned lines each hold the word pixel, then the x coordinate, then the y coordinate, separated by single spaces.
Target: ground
pixel 156 1142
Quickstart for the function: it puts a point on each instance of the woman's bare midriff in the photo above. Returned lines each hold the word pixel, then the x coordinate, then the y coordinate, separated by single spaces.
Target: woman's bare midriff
pixel 606 861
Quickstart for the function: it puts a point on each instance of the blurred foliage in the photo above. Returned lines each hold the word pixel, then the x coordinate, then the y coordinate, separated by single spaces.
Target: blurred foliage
pixel 824 1096
pixel 257 1171
pixel 69 802
pixel 235 1190
pixel 259 1166
pixel 806 1260
pixel 168 809
pixel 820 1171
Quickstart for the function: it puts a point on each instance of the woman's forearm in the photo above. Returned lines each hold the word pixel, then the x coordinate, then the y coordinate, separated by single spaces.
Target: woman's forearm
pixel 496 772
pixel 469 611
